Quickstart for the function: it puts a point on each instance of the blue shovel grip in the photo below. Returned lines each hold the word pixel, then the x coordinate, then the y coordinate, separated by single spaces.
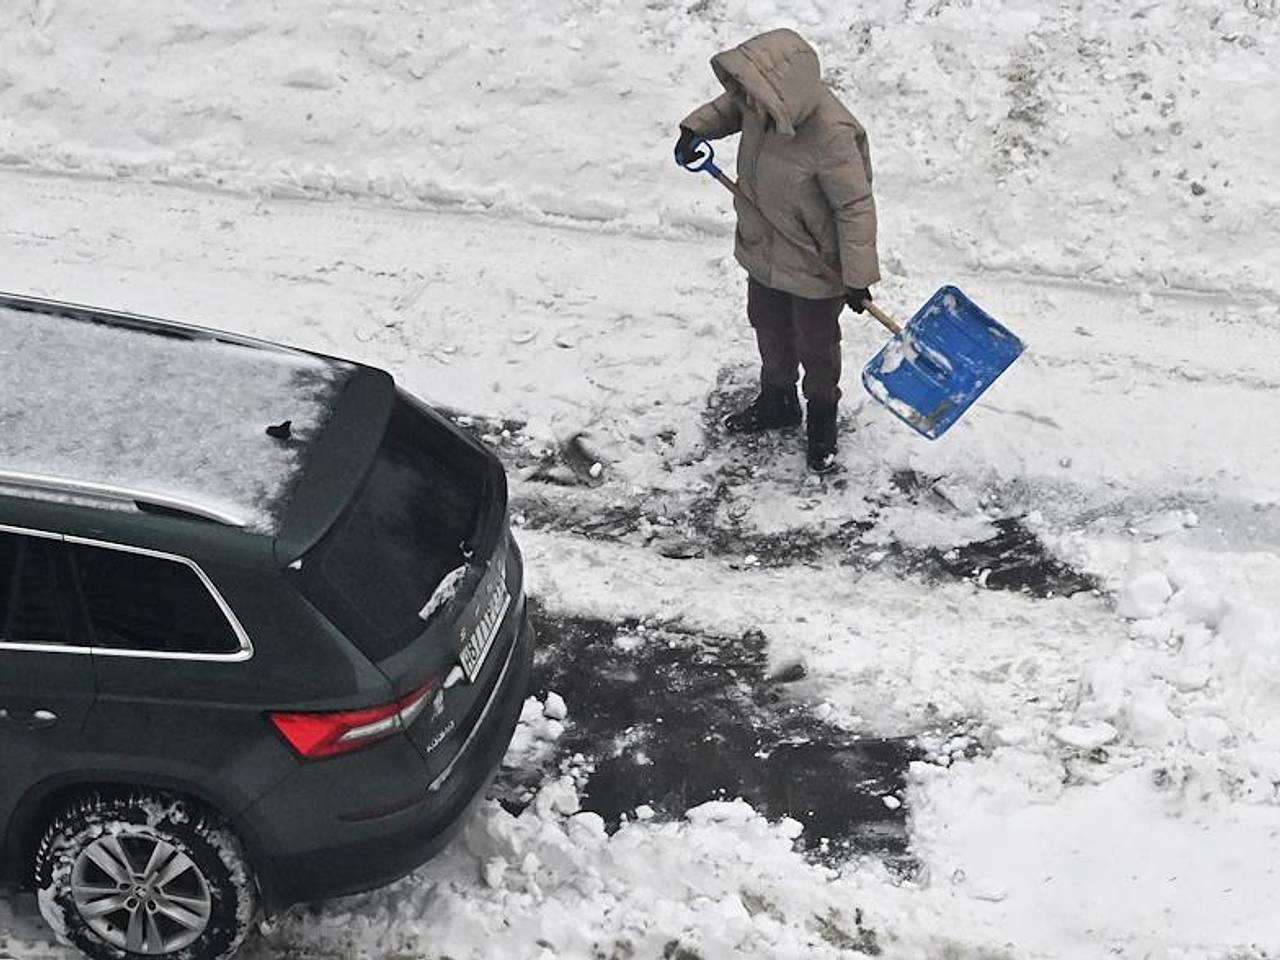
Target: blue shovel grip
pixel 702 161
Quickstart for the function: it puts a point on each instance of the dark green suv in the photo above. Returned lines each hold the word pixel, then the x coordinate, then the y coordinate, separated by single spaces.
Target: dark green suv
pixel 262 627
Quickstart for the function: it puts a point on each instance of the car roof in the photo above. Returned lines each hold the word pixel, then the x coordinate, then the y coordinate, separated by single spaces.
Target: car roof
pixel 110 416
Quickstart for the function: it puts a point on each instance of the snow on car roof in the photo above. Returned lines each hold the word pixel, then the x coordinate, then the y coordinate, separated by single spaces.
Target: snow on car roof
pixel 171 416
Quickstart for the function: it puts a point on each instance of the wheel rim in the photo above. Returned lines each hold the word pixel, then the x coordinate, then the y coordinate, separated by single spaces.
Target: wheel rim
pixel 140 893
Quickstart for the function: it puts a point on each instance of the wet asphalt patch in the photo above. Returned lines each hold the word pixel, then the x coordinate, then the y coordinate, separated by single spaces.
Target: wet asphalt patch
pixel 669 718
pixel 1014 559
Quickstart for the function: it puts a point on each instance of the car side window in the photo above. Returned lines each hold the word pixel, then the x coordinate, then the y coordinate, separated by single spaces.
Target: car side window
pixel 152 604
pixel 30 610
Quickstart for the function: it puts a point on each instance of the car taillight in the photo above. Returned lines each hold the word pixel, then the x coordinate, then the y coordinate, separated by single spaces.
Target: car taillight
pixel 315 735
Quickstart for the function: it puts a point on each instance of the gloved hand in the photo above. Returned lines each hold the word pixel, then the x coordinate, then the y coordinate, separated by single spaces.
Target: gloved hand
pixel 854 296
pixel 685 153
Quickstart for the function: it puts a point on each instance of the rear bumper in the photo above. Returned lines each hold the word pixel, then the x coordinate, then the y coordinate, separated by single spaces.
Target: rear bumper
pixel 351 857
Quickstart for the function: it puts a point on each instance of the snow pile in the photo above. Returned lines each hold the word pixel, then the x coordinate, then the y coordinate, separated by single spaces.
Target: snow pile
pixel 541 725
pixel 980 114
pixel 1116 869
pixel 90 402
pixel 553 884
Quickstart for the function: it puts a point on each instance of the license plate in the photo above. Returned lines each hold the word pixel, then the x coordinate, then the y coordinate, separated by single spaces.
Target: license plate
pixel 481 627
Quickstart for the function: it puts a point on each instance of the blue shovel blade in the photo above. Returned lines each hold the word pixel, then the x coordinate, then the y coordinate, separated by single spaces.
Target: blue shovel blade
pixel 946 355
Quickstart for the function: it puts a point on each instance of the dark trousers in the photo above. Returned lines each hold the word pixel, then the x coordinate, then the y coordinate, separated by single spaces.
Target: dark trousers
pixel 792 332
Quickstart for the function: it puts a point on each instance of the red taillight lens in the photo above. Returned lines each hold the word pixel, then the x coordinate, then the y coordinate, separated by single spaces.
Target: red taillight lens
pixel 315 735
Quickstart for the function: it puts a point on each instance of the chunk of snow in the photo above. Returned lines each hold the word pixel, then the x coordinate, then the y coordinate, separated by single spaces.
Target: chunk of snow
pixel 1085 737
pixel 558 797
pixel 1207 733
pixel 532 710
pixel 1011 735
pixel 555 708
pixel 549 729
pixel 587 828
pixel 1144 596
pixel 1102 689
pixel 790 829
pixel 1156 630
pixel 1150 721
pixel 443 593
pixel 1198 605
pixel 493 871
pixel 721 811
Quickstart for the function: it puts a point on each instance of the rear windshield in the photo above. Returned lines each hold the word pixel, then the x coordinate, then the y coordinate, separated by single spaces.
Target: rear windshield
pixel 406 529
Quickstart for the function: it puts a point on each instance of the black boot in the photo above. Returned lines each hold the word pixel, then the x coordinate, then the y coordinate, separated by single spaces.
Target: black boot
pixel 821 430
pixel 773 409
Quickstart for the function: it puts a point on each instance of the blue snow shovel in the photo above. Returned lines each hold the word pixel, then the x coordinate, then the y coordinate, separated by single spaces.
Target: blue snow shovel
pixel 936 366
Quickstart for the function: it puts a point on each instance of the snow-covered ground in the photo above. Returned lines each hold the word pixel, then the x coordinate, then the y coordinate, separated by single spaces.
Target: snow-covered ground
pixel 484 203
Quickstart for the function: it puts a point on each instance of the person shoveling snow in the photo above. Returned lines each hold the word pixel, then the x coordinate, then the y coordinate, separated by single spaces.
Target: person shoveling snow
pixel 804 165
pixel 806 232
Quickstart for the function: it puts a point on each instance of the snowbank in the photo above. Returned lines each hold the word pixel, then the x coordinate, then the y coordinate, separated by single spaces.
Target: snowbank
pixel 1108 142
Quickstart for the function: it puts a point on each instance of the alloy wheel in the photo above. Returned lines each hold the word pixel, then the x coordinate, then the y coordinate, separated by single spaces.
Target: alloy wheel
pixel 140 893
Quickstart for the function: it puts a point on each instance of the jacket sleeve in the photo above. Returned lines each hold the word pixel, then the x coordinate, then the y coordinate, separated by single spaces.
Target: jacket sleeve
pixel 719 118
pixel 844 174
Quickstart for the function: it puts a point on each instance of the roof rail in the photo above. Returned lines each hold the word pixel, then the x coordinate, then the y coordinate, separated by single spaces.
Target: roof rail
pixel 120 318
pixel 142 499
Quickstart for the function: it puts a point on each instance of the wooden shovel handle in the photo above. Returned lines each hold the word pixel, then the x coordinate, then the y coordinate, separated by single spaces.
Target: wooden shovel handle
pixel 886 321
pixel 808 253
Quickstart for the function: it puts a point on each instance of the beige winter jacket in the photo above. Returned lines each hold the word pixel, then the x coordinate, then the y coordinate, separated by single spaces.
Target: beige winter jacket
pixel 803 159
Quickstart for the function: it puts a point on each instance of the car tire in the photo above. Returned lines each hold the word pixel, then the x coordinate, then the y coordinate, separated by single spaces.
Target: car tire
pixel 144 873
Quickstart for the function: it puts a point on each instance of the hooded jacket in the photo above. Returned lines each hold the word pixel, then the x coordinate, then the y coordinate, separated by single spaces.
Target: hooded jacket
pixel 803 159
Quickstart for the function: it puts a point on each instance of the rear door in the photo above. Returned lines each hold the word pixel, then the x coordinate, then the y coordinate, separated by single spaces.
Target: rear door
pixel 415 573
pixel 177 699
pixel 46 671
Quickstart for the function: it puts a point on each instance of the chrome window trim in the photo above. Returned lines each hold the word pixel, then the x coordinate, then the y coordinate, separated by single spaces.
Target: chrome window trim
pixel 246 644
pixel 7 528
pixel 42 648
